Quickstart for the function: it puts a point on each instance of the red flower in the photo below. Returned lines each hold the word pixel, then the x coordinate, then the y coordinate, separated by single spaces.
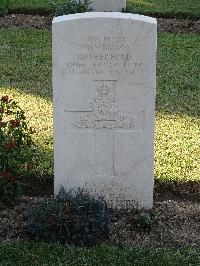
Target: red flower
pixel 5 99
pixel 9 145
pixel 15 123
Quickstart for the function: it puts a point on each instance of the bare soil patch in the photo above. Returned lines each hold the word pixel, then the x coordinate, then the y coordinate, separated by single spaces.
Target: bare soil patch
pixel 26 21
pixel 175 216
pixel 44 22
pixel 175 223
pixel 178 25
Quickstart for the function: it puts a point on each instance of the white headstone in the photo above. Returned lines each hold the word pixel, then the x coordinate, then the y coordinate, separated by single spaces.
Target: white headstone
pixel 108 5
pixel 104 82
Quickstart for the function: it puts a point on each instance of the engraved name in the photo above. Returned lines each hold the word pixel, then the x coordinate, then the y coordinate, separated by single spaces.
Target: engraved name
pixel 103 55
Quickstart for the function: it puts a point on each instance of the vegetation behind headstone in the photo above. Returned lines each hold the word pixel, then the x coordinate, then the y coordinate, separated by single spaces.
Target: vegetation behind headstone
pixel 71 7
pixel 4 7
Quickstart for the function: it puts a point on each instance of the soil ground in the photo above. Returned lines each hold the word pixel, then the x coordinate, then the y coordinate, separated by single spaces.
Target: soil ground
pixel 173 223
pixel 175 217
pixel 42 22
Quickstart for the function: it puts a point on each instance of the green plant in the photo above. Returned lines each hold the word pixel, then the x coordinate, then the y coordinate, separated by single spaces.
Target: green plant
pixel 9 190
pixel 165 8
pixel 4 7
pixel 29 253
pixel 144 220
pixel 70 217
pixel 16 148
pixel 71 7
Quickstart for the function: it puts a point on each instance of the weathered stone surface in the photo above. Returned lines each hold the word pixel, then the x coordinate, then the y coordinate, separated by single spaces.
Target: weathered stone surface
pixel 104 81
pixel 108 5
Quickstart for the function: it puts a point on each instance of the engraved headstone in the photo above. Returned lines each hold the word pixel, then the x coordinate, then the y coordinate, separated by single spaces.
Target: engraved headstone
pixel 104 81
pixel 108 5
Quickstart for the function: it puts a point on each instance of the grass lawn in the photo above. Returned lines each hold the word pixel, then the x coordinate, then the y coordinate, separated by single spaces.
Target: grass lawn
pixel 32 5
pixel 26 253
pixel 25 74
pixel 169 8
pixel 180 8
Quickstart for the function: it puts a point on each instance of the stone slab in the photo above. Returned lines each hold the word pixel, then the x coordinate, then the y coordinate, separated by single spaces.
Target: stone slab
pixel 108 5
pixel 104 84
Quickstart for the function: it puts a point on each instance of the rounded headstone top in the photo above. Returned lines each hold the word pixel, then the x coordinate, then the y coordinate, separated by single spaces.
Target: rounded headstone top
pixel 118 15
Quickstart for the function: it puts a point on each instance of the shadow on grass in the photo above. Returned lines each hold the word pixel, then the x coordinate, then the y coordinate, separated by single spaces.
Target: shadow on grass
pixel 163 190
pixel 26 64
pixel 178 81
pixel 177 190
pixel 25 57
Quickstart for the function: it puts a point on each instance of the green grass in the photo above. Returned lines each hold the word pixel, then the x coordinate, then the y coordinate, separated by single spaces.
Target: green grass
pixel 3 7
pixel 169 8
pixel 26 253
pixel 177 139
pixel 31 5
pixel 25 74
pixel 172 8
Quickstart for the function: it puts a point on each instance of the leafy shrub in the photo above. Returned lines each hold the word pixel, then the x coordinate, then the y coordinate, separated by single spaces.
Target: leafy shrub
pixel 4 7
pixel 144 220
pixel 16 147
pixel 71 7
pixel 9 191
pixel 70 217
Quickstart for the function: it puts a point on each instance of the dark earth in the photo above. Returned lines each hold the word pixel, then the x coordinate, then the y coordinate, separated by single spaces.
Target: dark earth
pixel 175 217
pixel 44 22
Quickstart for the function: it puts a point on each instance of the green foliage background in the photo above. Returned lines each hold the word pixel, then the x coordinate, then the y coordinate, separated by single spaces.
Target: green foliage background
pixel 171 8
